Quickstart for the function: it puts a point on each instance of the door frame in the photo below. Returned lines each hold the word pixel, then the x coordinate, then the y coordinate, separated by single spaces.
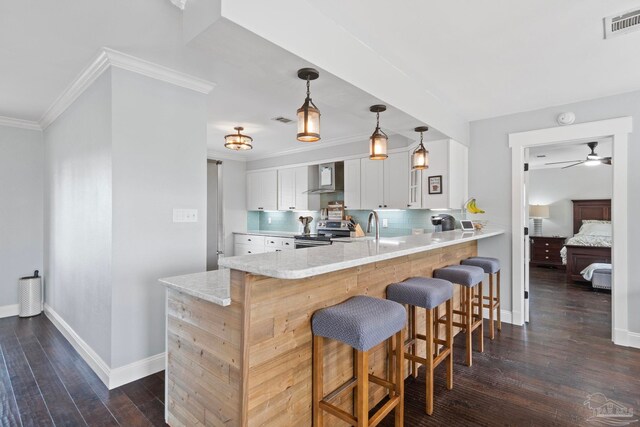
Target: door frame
pixel 618 129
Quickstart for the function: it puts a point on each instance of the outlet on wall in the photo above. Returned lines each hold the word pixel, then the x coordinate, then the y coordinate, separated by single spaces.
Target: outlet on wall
pixel 268 220
pixel 385 222
pixel 185 215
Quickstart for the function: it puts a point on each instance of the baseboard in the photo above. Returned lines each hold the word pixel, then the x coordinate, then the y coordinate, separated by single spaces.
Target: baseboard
pixel 96 363
pixel 136 370
pixel 505 315
pixel 112 378
pixel 9 310
pixel 626 338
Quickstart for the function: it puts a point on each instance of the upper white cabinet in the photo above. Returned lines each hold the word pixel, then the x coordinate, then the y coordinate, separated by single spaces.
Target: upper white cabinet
pixel 262 190
pixel 293 184
pixel 450 160
pixel 371 183
pixel 384 182
pixel 352 184
pixel 396 178
pixel 415 186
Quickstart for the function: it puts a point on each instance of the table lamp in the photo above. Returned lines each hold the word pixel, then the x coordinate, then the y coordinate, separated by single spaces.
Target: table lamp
pixel 538 213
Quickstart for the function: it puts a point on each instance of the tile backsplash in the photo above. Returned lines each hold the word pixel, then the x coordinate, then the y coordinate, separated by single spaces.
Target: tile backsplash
pixel 400 223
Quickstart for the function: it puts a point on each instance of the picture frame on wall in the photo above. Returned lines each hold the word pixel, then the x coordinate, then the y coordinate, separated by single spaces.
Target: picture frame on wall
pixel 435 184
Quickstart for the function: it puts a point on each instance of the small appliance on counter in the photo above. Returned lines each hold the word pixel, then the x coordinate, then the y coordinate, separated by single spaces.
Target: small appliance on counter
pixel 443 222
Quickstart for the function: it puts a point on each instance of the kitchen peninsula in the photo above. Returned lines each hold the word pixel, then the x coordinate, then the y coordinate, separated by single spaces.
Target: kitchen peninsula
pixel 239 340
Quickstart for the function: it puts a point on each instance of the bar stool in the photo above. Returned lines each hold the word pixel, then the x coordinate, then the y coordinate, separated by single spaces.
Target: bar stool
pixel 470 278
pixel 429 294
pixel 490 266
pixel 361 322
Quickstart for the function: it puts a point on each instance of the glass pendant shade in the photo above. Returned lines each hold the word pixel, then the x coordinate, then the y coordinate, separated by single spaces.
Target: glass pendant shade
pixel 379 139
pixel 420 157
pixel 308 122
pixel 378 146
pixel 308 114
pixel 238 141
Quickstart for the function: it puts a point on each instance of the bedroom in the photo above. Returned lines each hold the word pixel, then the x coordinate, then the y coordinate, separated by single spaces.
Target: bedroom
pixel 570 190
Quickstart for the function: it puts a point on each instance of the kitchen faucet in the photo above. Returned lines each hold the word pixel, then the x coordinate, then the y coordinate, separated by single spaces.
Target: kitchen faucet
pixel 374 215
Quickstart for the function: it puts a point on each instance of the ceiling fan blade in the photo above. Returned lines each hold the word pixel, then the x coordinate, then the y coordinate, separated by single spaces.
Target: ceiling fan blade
pixel 567 161
pixel 575 164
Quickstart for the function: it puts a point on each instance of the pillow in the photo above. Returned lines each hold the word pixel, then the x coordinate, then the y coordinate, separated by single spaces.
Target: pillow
pixel 595 229
pixel 595 221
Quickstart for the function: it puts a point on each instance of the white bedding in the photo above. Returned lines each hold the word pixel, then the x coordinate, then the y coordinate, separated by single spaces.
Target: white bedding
pixel 580 240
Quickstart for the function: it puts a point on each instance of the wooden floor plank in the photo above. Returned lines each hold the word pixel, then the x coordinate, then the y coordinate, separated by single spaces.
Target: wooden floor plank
pixel 31 405
pixel 9 414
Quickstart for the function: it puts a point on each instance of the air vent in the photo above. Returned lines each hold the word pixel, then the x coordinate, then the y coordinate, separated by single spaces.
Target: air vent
pixel 617 25
pixel 282 120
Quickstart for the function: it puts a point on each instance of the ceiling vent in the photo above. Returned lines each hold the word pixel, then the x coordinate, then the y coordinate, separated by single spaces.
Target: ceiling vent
pixel 282 120
pixel 617 25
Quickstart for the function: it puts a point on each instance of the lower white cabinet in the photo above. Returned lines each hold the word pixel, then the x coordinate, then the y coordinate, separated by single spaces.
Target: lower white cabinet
pixel 246 244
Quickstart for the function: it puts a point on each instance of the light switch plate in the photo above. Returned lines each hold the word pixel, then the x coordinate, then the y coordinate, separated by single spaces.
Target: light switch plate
pixel 185 215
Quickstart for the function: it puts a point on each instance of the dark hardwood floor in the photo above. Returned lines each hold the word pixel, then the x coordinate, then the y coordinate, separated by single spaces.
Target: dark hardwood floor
pixel 537 375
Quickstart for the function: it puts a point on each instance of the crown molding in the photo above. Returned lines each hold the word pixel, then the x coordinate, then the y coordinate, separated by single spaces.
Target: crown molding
pixel 112 58
pixel 180 4
pixel 19 123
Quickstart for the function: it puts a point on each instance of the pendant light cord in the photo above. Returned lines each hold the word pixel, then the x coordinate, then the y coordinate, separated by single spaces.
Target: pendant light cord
pixel 378 120
pixel 308 90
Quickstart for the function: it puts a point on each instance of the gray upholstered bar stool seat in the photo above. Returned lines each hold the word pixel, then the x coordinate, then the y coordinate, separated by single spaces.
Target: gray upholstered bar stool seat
pixel 429 294
pixel 490 266
pixel 470 279
pixel 362 322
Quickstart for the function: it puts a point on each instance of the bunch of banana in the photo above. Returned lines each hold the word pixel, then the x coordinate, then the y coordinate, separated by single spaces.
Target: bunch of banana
pixel 472 208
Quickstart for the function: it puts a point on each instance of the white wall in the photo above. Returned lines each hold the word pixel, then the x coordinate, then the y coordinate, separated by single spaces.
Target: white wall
pixel 21 210
pixel 78 212
pixel 159 163
pixel 557 187
pixel 490 176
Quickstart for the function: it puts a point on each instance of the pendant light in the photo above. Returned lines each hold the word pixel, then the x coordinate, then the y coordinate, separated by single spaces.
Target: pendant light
pixel 420 157
pixel 378 140
pixel 308 114
pixel 238 141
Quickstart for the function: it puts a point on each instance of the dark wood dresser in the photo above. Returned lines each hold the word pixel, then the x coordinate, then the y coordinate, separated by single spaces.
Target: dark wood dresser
pixel 545 251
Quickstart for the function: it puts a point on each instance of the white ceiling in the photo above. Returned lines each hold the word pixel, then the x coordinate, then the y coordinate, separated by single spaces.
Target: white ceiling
pixel 496 57
pixel 484 58
pixel 576 150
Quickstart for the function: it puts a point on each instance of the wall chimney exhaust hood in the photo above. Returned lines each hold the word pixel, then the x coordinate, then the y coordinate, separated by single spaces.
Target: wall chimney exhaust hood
pixel 330 178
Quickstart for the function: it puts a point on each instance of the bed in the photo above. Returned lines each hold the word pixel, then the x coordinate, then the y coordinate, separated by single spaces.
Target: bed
pixel 591 243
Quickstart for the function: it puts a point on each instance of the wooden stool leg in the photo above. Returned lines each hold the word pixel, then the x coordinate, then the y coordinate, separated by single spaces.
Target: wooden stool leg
pixel 449 335
pixel 491 307
pixel 362 406
pixel 318 378
pixel 354 402
pixel 413 346
pixel 500 305
pixel 480 317
pixel 468 322
pixel 429 357
pixel 436 328
pixel 399 375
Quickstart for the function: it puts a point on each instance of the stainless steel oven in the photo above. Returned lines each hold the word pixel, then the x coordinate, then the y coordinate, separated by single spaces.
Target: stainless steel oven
pixel 326 231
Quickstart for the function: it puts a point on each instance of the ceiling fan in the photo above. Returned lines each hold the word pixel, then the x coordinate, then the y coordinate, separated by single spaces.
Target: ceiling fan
pixel 592 158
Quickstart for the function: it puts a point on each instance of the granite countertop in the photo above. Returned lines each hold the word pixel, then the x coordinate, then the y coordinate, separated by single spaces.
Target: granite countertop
pixel 212 286
pixel 269 233
pixel 302 263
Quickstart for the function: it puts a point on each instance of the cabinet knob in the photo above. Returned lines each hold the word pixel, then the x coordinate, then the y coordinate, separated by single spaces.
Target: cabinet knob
pixel 546 257
pixel 385 206
pixel 292 207
pixel 345 206
pixel 249 252
pixel 260 208
pixel 546 244
pixel 248 240
pixel 287 243
pixel 379 206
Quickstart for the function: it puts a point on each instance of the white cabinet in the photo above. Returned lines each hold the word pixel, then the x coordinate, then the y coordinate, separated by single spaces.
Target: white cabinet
pixel 415 186
pixel 352 184
pixel 247 244
pixel 262 190
pixel 384 182
pixel 396 179
pixel 371 183
pixel 293 184
pixel 450 160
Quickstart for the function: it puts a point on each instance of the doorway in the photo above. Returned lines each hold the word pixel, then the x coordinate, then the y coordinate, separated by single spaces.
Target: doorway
pixel 618 130
pixel 215 223
pixel 570 235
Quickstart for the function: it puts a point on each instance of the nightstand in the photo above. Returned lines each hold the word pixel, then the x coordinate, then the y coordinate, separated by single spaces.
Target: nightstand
pixel 545 251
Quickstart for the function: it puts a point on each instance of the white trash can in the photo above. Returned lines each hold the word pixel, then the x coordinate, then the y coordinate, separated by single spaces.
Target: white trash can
pixel 30 295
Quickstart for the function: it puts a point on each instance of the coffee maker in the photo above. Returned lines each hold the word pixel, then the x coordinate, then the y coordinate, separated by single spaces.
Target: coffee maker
pixel 443 222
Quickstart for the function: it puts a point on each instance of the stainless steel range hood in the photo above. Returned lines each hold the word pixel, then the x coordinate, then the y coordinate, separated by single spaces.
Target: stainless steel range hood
pixel 330 178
